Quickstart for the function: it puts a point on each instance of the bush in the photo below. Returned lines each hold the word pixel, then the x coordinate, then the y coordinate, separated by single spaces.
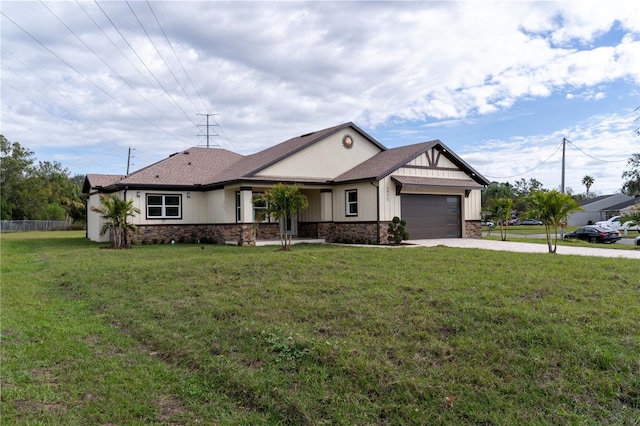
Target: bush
pixel 397 231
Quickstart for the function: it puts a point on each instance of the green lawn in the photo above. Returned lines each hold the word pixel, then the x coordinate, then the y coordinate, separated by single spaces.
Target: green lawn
pixel 324 334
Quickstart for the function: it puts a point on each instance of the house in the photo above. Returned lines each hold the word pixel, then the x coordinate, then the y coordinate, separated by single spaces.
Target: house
pixel 601 208
pixel 355 186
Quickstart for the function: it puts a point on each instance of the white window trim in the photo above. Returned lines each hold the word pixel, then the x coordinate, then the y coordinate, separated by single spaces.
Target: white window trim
pixel 256 209
pixel 164 206
pixel 348 203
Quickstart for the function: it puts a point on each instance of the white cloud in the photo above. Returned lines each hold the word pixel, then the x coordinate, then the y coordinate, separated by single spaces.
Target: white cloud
pixel 276 69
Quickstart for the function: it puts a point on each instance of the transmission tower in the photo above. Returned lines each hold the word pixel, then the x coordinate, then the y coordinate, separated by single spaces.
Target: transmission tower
pixel 208 135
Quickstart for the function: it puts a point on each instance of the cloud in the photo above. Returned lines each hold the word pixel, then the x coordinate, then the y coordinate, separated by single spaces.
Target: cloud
pixel 272 70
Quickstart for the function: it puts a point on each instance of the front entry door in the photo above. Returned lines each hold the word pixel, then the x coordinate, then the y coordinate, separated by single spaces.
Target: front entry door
pixel 291 227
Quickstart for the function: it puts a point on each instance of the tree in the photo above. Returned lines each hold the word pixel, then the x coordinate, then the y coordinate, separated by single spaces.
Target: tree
pixel 42 192
pixel 501 212
pixel 283 203
pixel 496 190
pixel 16 165
pixel 116 213
pixel 632 185
pixel 588 181
pixel 552 208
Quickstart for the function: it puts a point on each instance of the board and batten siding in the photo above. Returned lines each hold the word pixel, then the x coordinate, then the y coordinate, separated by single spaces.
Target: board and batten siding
pixel 445 169
pixel 313 212
pixel 367 202
pixel 94 221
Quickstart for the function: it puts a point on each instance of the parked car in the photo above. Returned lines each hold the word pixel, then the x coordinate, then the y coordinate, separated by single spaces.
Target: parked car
pixel 595 234
pixel 488 223
pixel 637 240
pixel 511 222
pixel 614 223
pixel 531 222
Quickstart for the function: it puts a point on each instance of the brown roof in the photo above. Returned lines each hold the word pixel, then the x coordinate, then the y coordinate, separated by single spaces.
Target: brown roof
pixel 418 181
pixel 98 181
pixel 194 166
pixel 385 162
pixel 212 166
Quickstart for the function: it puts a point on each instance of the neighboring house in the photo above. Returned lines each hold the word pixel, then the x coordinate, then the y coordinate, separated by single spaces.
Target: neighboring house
pixel 600 208
pixel 355 187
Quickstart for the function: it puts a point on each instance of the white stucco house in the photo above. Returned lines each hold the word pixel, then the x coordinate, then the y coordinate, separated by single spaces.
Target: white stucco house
pixel 355 186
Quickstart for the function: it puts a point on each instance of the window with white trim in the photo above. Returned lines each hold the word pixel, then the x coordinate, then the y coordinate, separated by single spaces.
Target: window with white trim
pixel 259 206
pixel 238 208
pixel 160 206
pixel 351 202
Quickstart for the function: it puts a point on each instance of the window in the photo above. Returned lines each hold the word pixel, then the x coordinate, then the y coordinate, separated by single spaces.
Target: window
pixel 238 208
pixel 352 202
pixel 258 210
pixel 164 206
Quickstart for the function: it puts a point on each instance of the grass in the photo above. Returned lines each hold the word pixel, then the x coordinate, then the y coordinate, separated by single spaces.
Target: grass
pixel 319 335
pixel 530 234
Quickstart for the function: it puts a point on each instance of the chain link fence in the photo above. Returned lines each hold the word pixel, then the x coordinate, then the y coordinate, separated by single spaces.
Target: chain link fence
pixel 34 225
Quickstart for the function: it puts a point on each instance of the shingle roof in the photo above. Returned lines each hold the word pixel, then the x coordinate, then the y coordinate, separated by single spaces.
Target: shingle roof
pixel 419 181
pixel 194 166
pixel 97 181
pixel 390 160
pixel 211 166
pixel 385 162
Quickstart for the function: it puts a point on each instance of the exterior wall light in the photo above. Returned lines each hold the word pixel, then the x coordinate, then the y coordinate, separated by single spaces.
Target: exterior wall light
pixel 188 195
pixel 138 194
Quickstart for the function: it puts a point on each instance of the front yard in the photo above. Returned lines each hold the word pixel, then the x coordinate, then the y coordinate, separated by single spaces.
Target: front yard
pixel 320 335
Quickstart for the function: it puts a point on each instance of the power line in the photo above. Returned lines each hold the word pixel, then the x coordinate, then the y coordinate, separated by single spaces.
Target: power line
pixel 143 63
pixel 591 156
pixel 110 67
pixel 163 60
pixel 83 76
pixel 177 57
pixel 528 171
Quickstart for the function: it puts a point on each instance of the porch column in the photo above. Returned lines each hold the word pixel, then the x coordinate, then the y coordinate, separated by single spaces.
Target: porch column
pixel 246 204
pixel 326 205
pixel 247 236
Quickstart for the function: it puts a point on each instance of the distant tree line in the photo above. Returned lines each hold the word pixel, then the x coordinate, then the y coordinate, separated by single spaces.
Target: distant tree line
pixel 520 190
pixel 37 190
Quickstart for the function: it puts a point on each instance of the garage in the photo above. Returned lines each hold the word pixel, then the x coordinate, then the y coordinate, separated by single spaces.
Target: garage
pixel 432 216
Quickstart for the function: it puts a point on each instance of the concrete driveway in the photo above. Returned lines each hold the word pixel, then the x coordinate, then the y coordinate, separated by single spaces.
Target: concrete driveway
pixel 526 247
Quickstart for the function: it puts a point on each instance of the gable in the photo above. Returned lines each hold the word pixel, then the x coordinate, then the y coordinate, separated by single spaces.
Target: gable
pixel 326 158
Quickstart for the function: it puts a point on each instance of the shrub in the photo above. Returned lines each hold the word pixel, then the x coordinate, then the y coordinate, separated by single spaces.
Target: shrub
pixel 397 231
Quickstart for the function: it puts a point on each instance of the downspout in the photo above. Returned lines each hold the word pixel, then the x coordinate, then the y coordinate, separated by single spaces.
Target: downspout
pixel 377 211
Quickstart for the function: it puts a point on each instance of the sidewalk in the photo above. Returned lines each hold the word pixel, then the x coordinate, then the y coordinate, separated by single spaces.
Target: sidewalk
pixel 525 247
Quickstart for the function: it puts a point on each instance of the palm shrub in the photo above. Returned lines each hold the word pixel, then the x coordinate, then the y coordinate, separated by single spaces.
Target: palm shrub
pixel 116 212
pixel 552 208
pixel 397 231
pixel 501 211
pixel 283 203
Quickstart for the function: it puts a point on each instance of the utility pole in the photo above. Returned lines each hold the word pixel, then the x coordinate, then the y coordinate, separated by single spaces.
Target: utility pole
pixel 129 157
pixel 208 125
pixel 564 146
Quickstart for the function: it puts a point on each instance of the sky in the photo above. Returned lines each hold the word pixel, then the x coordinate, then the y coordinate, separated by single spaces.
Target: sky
pixel 502 84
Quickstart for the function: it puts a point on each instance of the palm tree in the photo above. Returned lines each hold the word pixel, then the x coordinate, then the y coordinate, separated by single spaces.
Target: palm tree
pixel 283 203
pixel 501 212
pixel 552 208
pixel 116 212
pixel 588 182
